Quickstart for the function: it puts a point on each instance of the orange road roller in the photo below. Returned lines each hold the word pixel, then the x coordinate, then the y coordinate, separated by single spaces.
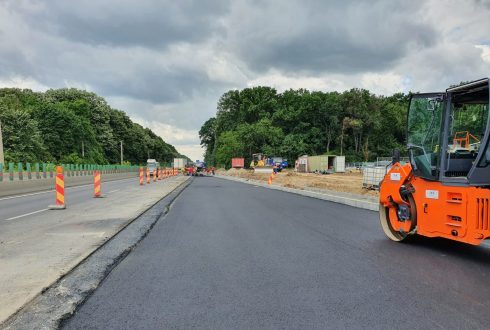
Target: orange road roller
pixel 444 188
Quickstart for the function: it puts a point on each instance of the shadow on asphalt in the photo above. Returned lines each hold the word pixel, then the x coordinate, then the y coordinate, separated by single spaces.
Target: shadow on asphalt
pixel 479 254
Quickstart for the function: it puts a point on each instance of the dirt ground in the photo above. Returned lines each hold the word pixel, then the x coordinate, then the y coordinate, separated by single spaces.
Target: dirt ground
pixel 344 182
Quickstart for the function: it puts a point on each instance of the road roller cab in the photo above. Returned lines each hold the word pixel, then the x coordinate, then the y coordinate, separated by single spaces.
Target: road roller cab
pixel 444 190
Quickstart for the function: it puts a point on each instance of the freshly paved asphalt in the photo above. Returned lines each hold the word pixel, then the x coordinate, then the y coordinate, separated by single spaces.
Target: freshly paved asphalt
pixel 230 255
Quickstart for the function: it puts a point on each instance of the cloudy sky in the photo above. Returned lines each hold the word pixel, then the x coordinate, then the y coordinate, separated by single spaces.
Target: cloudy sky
pixel 166 63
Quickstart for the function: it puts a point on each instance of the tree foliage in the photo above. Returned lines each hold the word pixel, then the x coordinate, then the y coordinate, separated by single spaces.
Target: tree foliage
pixel 52 126
pixel 356 123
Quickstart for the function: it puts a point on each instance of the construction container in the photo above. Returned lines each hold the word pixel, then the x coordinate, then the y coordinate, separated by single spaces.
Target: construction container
pixel 339 164
pixel 372 176
pixel 319 163
pixel 180 162
pixel 322 163
pixel 238 162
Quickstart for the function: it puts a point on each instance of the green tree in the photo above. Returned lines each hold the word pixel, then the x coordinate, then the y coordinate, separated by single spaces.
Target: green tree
pixel 229 146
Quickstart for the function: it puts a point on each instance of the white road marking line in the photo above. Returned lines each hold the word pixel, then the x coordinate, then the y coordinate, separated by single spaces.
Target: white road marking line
pixel 26 195
pixel 48 191
pixel 25 215
pixel 94 233
pixel 113 191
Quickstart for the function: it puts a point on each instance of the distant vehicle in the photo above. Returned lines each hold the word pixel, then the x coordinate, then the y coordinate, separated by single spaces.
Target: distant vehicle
pixel 279 163
pixel 152 165
pixel 200 168
pixel 261 163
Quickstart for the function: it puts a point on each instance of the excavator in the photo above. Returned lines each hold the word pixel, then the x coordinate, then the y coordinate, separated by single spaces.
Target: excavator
pixel 444 188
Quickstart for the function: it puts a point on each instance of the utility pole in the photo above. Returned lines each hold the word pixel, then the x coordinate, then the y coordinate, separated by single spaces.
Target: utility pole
pixel 2 158
pixel 121 153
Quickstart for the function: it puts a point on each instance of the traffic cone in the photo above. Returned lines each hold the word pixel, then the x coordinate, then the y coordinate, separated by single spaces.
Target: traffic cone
pixel 270 179
pixel 60 190
pixel 147 175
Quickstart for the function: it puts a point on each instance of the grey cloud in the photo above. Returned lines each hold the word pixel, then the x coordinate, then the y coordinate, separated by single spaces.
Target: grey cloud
pixel 328 36
pixel 169 61
pixel 121 23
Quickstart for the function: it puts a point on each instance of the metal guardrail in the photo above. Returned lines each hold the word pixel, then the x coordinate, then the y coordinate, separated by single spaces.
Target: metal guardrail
pixel 28 171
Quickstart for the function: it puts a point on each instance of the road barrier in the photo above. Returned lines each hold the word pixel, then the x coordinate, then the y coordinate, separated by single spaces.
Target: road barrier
pixel 11 171
pixel 23 178
pixel 97 193
pixel 21 174
pixel 37 171
pixel 59 190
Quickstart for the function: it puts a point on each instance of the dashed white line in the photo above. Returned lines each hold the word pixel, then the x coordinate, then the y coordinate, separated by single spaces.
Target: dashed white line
pixel 26 195
pixel 113 191
pixel 49 191
pixel 25 215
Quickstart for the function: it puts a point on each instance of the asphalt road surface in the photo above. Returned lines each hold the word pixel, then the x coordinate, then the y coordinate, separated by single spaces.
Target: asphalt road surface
pixel 21 206
pixel 230 255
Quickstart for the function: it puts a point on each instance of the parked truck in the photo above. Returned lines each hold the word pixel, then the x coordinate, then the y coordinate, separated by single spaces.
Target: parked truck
pixel 180 163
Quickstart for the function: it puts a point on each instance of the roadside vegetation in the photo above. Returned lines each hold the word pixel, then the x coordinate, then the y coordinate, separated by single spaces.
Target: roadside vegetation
pixel 57 125
pixel 355 123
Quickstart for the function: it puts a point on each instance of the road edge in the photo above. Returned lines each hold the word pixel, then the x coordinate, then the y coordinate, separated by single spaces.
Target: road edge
pixel 341 198
pixel 59 301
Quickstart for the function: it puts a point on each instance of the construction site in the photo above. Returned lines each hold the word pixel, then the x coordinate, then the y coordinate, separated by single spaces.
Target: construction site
pixel 350 182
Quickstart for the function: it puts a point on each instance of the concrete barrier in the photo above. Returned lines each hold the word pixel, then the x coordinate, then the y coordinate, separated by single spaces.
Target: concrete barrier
pixel 8 188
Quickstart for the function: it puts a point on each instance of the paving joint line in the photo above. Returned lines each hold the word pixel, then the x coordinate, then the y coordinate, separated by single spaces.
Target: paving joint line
pixel 59 301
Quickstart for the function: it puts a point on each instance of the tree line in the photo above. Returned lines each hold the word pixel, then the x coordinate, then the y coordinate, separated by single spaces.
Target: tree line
pixel 73 126
pixel 355 123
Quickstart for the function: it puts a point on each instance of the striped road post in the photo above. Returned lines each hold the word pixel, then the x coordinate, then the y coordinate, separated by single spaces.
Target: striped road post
pixel 142 176
pixel 60 190
pixel 147 175
pixel 97 193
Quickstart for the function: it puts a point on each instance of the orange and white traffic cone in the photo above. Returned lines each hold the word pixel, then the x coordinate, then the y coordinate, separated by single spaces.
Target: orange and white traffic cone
pixel 60 190
pixel 142 176
pixel 97 193
pixel 160 174
pixel 155 175
pixel 270 180
pixel 148 175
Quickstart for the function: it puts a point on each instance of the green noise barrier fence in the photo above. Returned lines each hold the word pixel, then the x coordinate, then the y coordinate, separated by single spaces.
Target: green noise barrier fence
pixel 28 171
